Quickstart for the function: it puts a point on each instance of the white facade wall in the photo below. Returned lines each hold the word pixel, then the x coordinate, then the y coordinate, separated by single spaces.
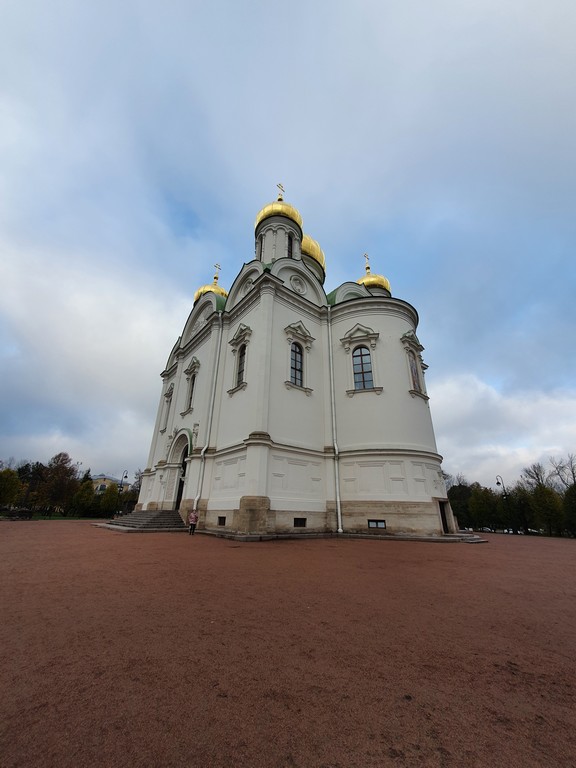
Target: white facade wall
pixel 389 416
pixel 263 453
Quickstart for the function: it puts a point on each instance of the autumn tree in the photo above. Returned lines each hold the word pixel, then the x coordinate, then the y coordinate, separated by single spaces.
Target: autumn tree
pixel 548 505
pixel 59 485
pixel 10 487
pixel 483 506
pixel 526 508
pixel 32 476
pixel 61 482
pixel 569 505
pixel 109 501
pixel 459 496
pixel 83 500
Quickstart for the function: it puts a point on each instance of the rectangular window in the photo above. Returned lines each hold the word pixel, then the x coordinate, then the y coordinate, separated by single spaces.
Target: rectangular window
pixel 300 522
pixel 376 523
pixel 222 520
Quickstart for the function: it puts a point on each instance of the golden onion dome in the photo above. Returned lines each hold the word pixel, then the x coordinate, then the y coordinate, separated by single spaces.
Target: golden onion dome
pixel 374 281
pixel 211 288
pixel 279 208
pixel 310 247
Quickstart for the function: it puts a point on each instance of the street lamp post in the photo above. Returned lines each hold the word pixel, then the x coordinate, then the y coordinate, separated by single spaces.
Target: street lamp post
pixel 500 482
pixel 120 488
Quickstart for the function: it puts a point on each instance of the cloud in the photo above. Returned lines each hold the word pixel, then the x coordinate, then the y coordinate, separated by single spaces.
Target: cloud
pixel 138 142
pixel 482 432
pixel 85 347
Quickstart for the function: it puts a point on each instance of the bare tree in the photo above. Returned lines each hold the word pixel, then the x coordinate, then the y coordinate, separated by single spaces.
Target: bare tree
pixel 564 470
pixel 137 479
pixel 535 476
pixel 452 480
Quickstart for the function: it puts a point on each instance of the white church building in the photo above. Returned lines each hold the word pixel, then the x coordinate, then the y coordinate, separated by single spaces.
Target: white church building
pixel 286 410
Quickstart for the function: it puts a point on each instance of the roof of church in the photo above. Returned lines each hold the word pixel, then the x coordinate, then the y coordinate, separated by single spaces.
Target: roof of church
pixel 212 287
pixel 279 208
pixel 308 247
pixel 371 280
pixel 311 248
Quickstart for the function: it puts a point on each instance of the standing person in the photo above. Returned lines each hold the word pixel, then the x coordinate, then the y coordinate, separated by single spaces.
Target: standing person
pixel 192 521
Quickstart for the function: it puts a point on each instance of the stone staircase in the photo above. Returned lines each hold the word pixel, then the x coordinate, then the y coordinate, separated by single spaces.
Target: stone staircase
pixel 467 538
pixel 161 520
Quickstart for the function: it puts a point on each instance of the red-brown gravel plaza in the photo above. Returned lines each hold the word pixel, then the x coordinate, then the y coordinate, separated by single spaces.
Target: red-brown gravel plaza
pixel 165 650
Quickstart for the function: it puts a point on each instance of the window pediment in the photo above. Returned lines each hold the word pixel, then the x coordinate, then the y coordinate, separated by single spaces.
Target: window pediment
pixel 298 332
pixel 193 368
pixel 242 335
pixel 359 334
pixel 410 341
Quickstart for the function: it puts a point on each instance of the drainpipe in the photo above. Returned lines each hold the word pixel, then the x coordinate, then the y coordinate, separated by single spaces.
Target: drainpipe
pixel 210 414
pixel 333 411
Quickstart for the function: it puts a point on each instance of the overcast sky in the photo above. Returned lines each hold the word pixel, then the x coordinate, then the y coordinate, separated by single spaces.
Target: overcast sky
pixel 139 139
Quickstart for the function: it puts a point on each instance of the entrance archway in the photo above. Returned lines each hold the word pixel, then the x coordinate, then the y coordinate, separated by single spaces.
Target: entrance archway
pixel 182 478
pixel 443 517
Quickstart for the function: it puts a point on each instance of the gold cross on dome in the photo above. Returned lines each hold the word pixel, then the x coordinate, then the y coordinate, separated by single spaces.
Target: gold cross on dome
pixel 281 188
pixel 367 258
pixel 217 267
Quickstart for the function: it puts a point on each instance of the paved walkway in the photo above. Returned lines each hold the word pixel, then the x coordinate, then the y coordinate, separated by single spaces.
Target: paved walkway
pixel 177 651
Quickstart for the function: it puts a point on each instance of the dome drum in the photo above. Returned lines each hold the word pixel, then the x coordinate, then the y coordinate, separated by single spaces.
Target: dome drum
pixel 310 250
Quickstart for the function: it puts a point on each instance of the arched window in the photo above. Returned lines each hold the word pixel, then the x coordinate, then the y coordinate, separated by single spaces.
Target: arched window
pixel 362 367
pixel 416 366
pixel 182 479
pixel 296 365
pixel 241 365
pixel 191 373
pixel 289 246
pixel 239 343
